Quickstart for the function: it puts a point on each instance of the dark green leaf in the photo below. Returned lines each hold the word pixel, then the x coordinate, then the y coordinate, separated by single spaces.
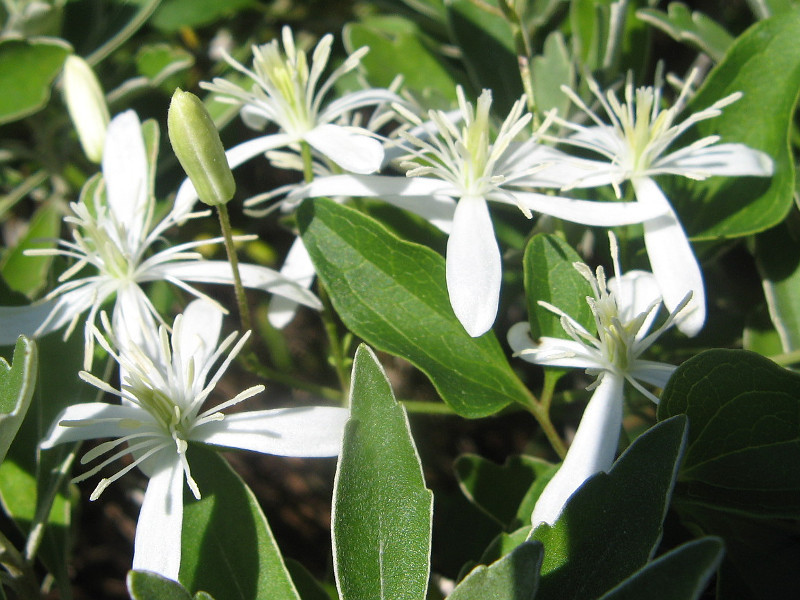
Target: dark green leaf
pixel 27 68
pixel 499 490
pixel 681 574
pixel 744 439
pixel 691 27
pixel 485 37
pixel 144 585
pixel 610 526
pixel 763 64
pixel 551 277
pixel 392 294
pixel 174 14
pixel 308 587
pixel 381 509
pixel 227 545
pixel 17 382
pixel 505 543
pixel 28 274
pixel 513 577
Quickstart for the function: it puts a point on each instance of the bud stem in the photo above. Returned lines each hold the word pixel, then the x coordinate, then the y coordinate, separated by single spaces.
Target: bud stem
pixel 241 300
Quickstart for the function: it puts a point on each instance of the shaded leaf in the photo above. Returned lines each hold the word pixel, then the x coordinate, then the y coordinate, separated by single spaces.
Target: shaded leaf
pixel 381 509
pixel 691 27
pixel 513 577
pixel 144 585
pixel 17 382
pixel 171 15
pixel 28 274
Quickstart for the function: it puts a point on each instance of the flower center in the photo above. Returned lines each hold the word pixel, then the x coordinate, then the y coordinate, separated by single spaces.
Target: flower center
pixel 286 79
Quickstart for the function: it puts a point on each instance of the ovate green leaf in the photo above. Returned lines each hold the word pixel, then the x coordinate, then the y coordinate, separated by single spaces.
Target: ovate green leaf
pixel 144 585
pixel 381 511
pixel 17 383
pixel 691 27
pixel 513 577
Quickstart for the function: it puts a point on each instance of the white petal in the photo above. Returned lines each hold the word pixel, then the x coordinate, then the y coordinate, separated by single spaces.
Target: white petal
pixel 589 212
pixel 100 423
pixel 652 372
pixel 636 291
pixel 474 269
pixel 157 546
pixel 672 259
pixel 354 152
pixel 356 100
pixel 553 352
pixel 297 267
pixel 592 450
pixel 25 320
pixel 253 276
pixel 371 186
pixel 133 320
pixel 199 331
pixel 437 210
pixel 125 171
pixel 733 160
pixel 187 195
pixel 311 431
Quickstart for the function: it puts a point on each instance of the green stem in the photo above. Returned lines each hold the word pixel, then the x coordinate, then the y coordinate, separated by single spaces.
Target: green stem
pixel 253 365
pixel 786 359
pixel 123 34
pixel 332 333
pixel 541 413
pixel 241 299
pixel 308 162
pixel 427 408
pixel 20 576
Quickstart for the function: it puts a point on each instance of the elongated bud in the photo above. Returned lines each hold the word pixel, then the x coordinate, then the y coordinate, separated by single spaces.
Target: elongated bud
pixel 86 105
pixel 195 141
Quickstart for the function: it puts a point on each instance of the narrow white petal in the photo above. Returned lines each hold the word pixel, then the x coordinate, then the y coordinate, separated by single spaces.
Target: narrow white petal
pixel 474 269
pixel 297 267
pixel 733 160
pixel 548 351
pixel 157 546
pixel 371 186
pixel 437 210
pixel 199 331
pixel 101 420
pixel 311 431
pixel 589 212
pixel 672 259
pixel 125 171
pixel 354 152
pixel 652 372
pixel 636 291
pixel 253 276
pixel 592 449
pixel 133 319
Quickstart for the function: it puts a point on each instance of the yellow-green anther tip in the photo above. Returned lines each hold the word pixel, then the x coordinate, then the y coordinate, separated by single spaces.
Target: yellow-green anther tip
pixel 195 141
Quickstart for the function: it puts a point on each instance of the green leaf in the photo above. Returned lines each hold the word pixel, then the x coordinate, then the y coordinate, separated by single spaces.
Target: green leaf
pixel 171 15
pixel 143 585
pixel 499 490
pixel 484 36
pixel 392 294
pixel 610 526
pixel 513 577
pixel 159 62
pixel 505 543
pixel 227 545
pixel 381 509
pixel 763 64
pixel 691 27
pixel 681 574
pixel 778 259
pixel 307 587
pixel 549 71
pixel 17 383
pixel 551 277
pixel 393 40
pixel 28 274
pixel 27 68
pixel 744 442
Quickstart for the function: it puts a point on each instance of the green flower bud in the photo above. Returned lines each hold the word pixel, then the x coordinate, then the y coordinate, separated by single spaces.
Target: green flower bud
pixel 86 105
pixel 195 141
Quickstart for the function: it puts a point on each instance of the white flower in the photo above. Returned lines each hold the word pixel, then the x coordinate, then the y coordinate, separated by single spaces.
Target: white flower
pixel 86 105
pixel 285 92
pixel 113 233
pixel 624 310
pixel 451 175
pixel 165 382
pixel 635 147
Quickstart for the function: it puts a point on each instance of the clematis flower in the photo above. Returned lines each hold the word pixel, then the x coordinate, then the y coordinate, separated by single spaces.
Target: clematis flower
pixel 113 233
pixel 450 176
pixel 624 309
pixel 165 382
pixel 635 147
pixel 286 91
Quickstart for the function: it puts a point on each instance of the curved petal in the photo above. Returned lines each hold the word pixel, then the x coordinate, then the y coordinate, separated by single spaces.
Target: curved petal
pixel 552 352
pixel 101 420
pixel 351 150
pixel 371 186
pixel 592 450
pixel 24 320
pixel 311 431
pixel 636 292
pixel 588 212
pixel 732 160
pixel 672 259
pixel 157 546
pixel 133 319
pixel 473 266
pixel 356 100
pixel 125 171
pixel 298 268
pixel 652 372
pixel 437 210
pixel 253 276
pixel 198 334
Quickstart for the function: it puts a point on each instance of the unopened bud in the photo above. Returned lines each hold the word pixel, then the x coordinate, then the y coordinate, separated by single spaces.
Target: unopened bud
pixel 195 141
pixel 86 105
